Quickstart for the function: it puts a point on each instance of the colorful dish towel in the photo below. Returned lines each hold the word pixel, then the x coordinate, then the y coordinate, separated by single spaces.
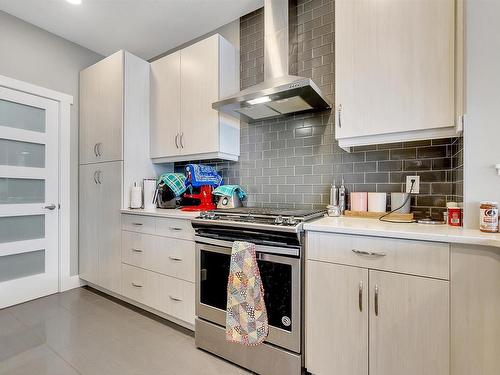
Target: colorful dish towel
pixel 175 181
pixel 203 175
pixel 228 191
pixel 246 314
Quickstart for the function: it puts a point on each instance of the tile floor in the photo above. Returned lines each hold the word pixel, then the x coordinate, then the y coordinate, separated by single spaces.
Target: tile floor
pixel 82 332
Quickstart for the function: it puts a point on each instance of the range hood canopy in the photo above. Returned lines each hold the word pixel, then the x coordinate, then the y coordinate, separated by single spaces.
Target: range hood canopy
pixel 280 93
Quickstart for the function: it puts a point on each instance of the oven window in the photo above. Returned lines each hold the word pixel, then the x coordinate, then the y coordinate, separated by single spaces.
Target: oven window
pixel 276 278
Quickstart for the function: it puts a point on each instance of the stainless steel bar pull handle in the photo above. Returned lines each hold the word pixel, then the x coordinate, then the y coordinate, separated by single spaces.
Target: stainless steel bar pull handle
pixel 95 150
pixel 376 300
pixel 177 140
pixel 136 285
pixel 137 224
pixel 368 253
pixel 175 259
pixel 95 177
pixel 175 228
pixel 360 296
pixel 99 149
pixel 137 250
pixel 175 299
pixel 340 115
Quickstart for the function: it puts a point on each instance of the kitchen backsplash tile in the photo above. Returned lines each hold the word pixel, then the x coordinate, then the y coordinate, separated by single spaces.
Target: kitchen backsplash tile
pixel 292 161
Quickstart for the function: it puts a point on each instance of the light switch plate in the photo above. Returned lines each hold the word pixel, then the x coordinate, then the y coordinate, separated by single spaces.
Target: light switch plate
pixel 416 185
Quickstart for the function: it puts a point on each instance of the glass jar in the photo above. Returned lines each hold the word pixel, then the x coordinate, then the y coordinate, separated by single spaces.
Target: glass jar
pixel 488 221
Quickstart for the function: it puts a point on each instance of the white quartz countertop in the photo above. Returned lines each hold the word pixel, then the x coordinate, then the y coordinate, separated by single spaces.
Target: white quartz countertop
pixel 174 213
pixel 413 231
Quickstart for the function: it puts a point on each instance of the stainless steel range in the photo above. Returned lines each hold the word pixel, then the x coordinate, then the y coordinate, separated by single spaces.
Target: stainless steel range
pixel 278 235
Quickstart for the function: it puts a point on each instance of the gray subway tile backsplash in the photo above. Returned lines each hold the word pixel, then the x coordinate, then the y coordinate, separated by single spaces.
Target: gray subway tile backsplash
pixel 292 161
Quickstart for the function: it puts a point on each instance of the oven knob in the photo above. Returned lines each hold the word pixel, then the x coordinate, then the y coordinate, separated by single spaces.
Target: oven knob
pixel 203 214
pixel 291 221
pixel 278 220
pixel 211 215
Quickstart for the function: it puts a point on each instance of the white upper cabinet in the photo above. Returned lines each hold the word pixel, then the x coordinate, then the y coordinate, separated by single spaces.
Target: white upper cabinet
pixel 395 70
pixel 166 105
pixel 101 111
pixel 183 87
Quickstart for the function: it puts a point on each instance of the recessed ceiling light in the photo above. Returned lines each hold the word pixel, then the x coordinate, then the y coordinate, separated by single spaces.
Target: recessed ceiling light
pixel 75 2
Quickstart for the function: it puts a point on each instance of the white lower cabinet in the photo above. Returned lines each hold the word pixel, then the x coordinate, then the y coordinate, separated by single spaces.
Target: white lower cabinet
pixel 100 223
pixel 158 265
pixel 336 319
pixel 360 320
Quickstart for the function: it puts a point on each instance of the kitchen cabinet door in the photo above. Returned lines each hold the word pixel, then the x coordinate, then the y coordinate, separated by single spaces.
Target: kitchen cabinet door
pixel 199 89
pixel 336 319
pixel 409 325
pixel 166 106
pixel 109 179
pixel 101 110
pixel 394 68
pixel 89 197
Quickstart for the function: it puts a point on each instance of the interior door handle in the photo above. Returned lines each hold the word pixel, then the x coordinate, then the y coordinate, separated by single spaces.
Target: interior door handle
pixel 50 207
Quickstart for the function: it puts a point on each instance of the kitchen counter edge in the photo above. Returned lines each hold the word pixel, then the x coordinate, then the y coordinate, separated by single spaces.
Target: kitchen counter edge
pixel 173 213
pixel 413 231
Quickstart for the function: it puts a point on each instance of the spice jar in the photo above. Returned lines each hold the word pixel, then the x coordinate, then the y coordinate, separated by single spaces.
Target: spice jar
pixel 488 221
pixel 454 214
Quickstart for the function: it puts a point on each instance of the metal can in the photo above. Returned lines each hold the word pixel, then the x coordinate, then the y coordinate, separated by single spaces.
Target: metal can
pixel 488 220
pixel 455 216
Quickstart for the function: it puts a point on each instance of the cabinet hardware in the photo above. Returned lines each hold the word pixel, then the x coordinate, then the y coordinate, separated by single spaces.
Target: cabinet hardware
pixel 50 207
pixel 137 250
pixel 175 299
pixel 137 285
pixel 376 300
pixel 137 224
pixel 340 115
pixel 99 148
pixel 175 259
pixel 95 149
pixel 99 174
pixel 177 140
pixel 174 228
pixel 95 177
pixel 369 253
pixel 360 296
pixel 181 140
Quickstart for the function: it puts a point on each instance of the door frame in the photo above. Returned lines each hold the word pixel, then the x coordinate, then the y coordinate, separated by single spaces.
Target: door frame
pixel 66 209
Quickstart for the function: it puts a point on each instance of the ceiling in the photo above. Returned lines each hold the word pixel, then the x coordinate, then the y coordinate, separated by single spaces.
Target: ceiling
pixel 146 28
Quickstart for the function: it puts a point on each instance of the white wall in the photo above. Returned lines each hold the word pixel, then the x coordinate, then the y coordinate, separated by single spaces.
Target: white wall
pixel 482 106
pixel 31 54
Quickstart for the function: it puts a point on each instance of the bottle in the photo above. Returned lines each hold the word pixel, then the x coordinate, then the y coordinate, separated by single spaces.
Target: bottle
pixel 342 197
pixel 334 195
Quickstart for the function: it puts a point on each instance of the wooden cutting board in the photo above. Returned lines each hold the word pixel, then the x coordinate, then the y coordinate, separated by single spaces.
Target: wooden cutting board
pixel 378 215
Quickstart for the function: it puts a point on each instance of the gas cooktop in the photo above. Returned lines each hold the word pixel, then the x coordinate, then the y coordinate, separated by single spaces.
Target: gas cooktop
pixel 258 218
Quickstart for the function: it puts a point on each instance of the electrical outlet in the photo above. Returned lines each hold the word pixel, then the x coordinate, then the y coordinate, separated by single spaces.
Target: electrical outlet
pixel 416 185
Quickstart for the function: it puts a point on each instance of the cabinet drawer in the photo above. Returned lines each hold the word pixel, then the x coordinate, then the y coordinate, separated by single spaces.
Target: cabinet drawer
pixel 166 294
pixel 137 223
pixel 169 256
pixel 422 258
pixel 176 228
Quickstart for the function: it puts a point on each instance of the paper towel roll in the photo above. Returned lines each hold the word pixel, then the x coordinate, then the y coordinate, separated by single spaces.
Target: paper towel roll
pixel 149 193
pixel 136 197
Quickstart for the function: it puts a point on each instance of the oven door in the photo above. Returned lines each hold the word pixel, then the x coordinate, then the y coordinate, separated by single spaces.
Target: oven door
pixel 281 279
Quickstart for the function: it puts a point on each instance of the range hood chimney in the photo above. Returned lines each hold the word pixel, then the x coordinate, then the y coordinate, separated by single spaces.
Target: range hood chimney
pixel 281 93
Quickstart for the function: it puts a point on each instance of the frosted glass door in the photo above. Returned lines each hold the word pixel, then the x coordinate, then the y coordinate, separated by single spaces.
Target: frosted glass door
pixel 28 197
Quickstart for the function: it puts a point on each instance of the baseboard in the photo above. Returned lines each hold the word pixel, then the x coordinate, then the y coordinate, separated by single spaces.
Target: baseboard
pixel 71 282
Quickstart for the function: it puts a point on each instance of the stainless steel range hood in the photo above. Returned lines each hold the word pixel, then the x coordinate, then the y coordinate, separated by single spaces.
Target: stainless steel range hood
pixel 281 93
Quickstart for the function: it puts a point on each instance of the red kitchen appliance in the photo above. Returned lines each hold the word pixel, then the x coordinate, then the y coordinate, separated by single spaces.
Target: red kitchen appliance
pixel 205 197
